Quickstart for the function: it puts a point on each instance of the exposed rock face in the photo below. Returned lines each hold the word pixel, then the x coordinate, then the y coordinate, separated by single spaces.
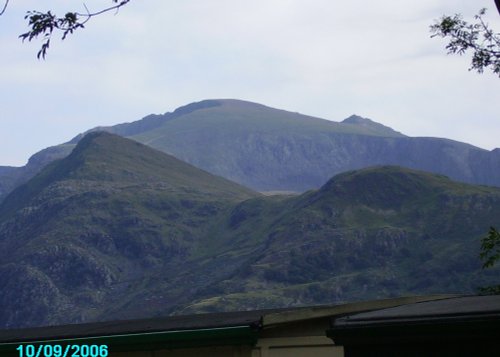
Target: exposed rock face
pixel 73 237
pixel 118 230
pixel 27 295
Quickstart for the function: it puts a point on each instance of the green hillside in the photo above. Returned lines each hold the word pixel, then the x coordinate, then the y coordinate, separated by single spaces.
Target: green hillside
pixel 112 211
pixel 372 233
pixel 119 230
pixel 258 146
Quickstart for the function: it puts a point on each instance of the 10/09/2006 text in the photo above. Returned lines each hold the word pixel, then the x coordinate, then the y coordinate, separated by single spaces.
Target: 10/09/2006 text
pixel 63 351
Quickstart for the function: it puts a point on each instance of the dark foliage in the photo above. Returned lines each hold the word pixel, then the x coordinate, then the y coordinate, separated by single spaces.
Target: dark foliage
pixel 477 37
pixel 45 24
pixel 490 254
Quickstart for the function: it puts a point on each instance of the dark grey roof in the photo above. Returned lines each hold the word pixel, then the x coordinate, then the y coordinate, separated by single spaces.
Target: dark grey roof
pixel 251 319
pixel 109 328
pixel 467 323
pixel 466 307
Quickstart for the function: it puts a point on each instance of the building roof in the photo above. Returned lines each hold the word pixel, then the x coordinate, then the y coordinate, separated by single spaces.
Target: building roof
pixel 476 317
pixel 314 312
pixel 455 308
pixel 213 329
pixel 249 319
pixel 226 328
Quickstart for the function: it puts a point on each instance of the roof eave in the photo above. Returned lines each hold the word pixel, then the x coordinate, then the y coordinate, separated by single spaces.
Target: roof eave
pixel 237 335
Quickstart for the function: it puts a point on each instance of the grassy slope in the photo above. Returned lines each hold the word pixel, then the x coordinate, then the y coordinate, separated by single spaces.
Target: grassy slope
pixel 108 215
pixel 104 157
pixel 119 230
pixel 371 233
pixel 234 116
pixel 234 120
pixel 255 145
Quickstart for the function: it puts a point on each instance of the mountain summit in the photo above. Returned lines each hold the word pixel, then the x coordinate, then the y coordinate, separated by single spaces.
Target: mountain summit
pixel 382 130
pixel 268 149
pixel 102 157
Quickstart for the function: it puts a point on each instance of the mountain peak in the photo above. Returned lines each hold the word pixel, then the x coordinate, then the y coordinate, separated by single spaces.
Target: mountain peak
pixel 213 103
pixel 191 107
pixel 389 186
pixel 371 125
pixel 109 160
pixel 108 157
pixel 356 119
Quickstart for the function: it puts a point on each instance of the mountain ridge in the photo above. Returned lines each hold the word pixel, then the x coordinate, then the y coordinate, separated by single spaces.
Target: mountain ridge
pixel 117 223
pixel 113 210
pixel 374 242
pixel 270 149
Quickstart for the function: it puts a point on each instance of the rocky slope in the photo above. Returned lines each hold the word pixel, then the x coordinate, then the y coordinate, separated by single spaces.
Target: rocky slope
pixel 372 233
pixel 75 236
pixel 119 230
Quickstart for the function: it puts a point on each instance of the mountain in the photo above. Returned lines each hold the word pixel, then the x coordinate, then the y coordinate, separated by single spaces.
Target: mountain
pixel 268 149
pixel 75 236
pixel 119 230
pixel 11 177
pixel 372 233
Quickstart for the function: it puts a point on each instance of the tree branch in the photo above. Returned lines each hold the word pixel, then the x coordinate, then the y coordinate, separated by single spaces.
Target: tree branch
pixel 44 24
pixel 118 5
pixel 4 7
pixel 477 37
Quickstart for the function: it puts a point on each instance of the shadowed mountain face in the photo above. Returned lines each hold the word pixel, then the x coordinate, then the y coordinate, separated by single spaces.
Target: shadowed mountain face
pixel 74 235
pixel 274 150
pixel 119 230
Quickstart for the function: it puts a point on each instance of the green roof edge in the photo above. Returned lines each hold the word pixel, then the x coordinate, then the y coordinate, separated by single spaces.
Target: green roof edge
pixel 236 335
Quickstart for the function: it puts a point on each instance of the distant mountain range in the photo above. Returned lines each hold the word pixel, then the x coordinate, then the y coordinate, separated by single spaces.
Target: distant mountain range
pixel 268 149
pixel 117 229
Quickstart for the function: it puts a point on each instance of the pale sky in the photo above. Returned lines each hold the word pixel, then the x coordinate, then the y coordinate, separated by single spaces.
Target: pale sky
pixel 325 58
